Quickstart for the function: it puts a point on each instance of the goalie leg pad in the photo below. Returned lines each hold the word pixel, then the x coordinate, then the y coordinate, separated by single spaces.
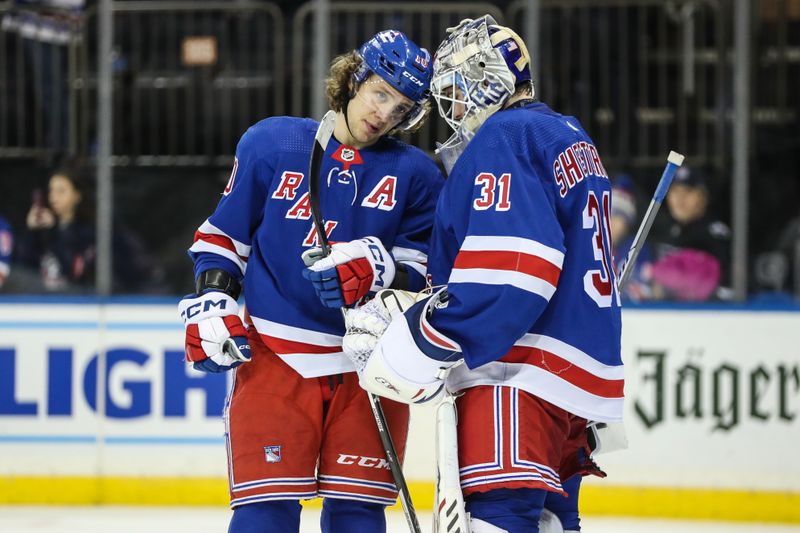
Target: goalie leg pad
pixel 476 525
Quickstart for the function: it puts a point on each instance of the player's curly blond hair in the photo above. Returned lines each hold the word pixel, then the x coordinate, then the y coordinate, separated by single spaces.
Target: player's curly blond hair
pixel 339 87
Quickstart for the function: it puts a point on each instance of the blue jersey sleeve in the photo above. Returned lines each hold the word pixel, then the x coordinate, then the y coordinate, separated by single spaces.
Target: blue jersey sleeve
pixel 511 253
pixel 224 240
pixel 412 242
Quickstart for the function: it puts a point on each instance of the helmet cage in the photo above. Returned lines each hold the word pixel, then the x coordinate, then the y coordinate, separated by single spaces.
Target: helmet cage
pixel 471 78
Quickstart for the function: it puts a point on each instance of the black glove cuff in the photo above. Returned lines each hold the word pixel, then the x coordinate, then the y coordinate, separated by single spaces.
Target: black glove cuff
pixel 400 280
pixel 218 280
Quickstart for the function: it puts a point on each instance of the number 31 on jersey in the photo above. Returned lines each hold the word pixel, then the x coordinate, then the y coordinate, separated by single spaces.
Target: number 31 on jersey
pixel 600 283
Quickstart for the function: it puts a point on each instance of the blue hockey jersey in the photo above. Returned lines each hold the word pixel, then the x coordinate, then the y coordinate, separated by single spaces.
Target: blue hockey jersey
pixel 521 239
pixel 263 224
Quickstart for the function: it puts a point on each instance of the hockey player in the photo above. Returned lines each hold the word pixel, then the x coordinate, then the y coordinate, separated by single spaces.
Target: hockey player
pixel 527 299
pixel 298 425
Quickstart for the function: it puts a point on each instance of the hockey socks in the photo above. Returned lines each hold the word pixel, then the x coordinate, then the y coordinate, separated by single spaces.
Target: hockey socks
pixel 352 516
pixel 266 517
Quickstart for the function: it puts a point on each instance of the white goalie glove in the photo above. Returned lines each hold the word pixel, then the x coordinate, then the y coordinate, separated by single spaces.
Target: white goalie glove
pixel 380 345
pixel 366 324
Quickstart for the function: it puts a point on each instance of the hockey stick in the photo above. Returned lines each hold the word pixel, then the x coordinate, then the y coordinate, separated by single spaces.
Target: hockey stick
pixel 323 135
pixel 612 437
pixel 674 160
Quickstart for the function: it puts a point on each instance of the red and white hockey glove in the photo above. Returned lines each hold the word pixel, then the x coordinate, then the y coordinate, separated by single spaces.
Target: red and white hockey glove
pixel 216 339
pixel 351 271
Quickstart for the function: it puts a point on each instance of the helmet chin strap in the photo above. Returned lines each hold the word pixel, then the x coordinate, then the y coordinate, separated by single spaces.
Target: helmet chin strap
pixel 346 119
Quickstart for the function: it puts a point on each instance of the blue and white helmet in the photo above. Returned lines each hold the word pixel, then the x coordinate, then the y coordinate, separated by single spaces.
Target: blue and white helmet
pixel 475 71
pixel 402 64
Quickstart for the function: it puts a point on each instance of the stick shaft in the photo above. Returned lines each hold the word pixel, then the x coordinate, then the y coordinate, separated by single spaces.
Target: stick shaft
pixel 674 160
pixel 324 133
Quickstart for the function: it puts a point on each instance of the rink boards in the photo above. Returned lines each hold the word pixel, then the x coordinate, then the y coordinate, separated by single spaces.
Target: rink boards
pixel 712 413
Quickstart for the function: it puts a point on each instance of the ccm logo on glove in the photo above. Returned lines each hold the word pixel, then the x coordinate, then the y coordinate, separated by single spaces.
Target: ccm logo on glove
pixel 203 307
pixel 351 271
pixel 216 339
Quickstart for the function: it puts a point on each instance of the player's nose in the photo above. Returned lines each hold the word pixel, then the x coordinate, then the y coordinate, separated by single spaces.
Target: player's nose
pixel 382 115
pixel 458 111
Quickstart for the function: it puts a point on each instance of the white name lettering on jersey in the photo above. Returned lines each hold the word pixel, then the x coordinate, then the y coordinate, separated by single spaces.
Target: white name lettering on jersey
pixel 575 163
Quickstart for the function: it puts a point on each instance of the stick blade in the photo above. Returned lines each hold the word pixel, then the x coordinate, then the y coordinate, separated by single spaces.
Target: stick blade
pixel 325 129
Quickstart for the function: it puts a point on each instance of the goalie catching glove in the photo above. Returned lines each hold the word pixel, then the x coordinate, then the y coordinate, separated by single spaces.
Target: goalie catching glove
pixel 216 339
pixel 351 271
pixel 380 343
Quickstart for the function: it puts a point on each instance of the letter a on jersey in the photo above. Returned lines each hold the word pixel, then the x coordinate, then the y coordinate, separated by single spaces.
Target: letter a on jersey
pixel 383 195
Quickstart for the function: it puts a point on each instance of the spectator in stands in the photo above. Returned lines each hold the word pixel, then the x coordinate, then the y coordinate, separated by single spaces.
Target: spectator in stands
pixel 60 242
pixel 691 252
pixel 61 239
pixel 6 247
pixel 623 230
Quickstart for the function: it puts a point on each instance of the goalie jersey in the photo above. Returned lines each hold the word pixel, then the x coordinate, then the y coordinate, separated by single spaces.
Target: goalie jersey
pixel 521 239
pixel 263 224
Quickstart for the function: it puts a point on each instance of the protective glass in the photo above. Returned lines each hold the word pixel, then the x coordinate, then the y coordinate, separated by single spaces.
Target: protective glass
pixel 389 104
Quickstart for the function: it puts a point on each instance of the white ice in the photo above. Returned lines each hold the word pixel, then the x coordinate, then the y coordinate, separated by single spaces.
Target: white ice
pixel 108 519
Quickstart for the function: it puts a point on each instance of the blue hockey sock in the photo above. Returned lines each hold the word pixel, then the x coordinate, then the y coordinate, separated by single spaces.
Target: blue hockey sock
pixel 266 517
pixel 515 510
pixel 566 508
pixel 352 516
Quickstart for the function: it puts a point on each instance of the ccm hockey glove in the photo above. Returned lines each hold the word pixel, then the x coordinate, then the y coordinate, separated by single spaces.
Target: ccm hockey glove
pixel 351 271
pixel 216 339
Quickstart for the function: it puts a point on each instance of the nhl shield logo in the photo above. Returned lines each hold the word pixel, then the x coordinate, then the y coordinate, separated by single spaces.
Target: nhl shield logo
pixel 272 454
pixel 348 155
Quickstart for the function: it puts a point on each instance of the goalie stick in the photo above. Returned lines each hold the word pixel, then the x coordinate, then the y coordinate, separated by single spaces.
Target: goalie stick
pixel 449 515
pixel 674 160
pixel 612 437
pixel 323 135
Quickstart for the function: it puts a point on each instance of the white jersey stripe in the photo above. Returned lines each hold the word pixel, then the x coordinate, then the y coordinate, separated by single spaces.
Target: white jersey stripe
pixel 401 254
pixel 503 277
pixel 573 355
pixel 202 246
pixel 291 333
pixel 313 365
pixel 541 383
pixel 241 248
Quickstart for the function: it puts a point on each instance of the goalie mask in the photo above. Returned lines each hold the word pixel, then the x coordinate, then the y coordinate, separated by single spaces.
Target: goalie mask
pixel 475 71
pixel 403 65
